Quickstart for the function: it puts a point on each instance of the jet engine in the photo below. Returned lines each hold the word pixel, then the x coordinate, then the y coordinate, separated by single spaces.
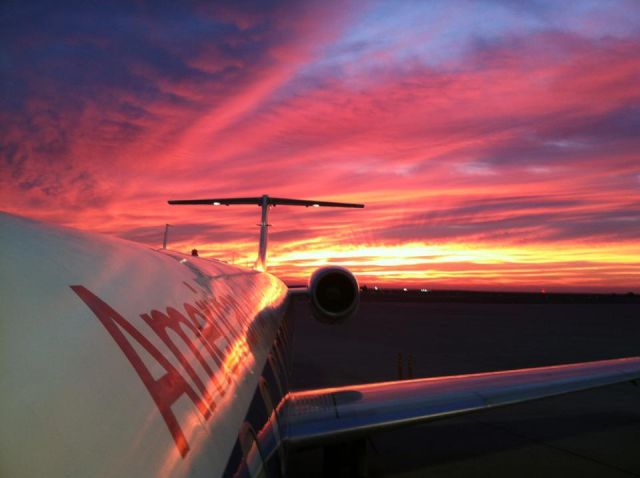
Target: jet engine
pixel 334 294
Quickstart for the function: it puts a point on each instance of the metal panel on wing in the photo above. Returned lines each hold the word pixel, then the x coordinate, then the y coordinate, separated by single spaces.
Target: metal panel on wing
pixel 357 409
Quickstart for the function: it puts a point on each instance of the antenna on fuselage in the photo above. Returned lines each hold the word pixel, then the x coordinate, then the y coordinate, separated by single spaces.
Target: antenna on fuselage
pixel 265 202
pixel 166 233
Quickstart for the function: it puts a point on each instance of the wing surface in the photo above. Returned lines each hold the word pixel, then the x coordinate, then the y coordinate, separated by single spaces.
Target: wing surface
pixel 314 416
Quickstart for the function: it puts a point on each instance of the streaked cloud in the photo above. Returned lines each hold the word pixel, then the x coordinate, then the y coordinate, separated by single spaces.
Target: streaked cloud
pixel 465 126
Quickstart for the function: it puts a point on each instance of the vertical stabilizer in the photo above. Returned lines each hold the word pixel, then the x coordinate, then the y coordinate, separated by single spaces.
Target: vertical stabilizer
pixel 261 262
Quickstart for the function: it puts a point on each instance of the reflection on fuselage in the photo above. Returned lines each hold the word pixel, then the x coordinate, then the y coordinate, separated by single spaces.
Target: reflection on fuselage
pixel 262 420
pixel 217 341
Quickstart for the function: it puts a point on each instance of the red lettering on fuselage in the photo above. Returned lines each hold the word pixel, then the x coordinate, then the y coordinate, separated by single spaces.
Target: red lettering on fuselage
pixel 161 324
pixel 167 389
pixel 206 322
pixel 216 312
pixel 210 333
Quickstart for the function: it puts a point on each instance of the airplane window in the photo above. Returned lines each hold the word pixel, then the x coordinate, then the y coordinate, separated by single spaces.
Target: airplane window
pixel 288 333
pixel 234 461
pixel 257 415
pixel 277 392
pixel 275 423
pixel 266 398
pixel 282 333
pixel 251 452
pixel 279 366
pixel 279 349
pixel 283 341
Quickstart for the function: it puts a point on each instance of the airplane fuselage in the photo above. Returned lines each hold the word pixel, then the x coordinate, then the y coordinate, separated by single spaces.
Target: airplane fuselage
pixel 123 360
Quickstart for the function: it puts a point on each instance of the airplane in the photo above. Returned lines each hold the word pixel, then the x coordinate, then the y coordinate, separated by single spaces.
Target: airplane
pixel 123 360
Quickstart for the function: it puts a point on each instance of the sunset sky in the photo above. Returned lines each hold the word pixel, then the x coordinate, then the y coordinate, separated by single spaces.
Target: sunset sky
pixel 496 145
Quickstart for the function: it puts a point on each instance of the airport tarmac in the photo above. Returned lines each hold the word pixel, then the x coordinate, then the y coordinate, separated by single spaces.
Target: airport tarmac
pixel 587 434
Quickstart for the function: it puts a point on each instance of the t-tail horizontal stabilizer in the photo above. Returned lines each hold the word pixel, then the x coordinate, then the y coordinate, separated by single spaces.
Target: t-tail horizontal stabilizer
pixel 265 202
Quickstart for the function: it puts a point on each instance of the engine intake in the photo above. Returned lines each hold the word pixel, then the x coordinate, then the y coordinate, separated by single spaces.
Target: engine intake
pixel 334 294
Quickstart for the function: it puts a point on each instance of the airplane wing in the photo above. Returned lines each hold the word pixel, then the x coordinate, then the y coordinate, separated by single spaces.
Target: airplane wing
pixel 315 416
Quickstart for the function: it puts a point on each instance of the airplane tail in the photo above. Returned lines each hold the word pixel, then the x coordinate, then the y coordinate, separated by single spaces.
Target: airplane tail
pixel 265 202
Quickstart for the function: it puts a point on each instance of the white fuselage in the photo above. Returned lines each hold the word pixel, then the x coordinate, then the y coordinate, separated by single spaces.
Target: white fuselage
pixel 121 360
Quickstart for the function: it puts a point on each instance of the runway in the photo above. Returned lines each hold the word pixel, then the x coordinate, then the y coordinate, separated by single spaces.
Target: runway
pixel 593 433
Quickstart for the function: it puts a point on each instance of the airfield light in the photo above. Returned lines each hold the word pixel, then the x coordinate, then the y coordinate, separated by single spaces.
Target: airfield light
pixel 404 289
pixel 375 287
pixel 216 203
pixel 316 205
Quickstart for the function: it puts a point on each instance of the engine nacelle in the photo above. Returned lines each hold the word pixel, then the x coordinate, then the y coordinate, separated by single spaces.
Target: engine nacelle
pixel 334 294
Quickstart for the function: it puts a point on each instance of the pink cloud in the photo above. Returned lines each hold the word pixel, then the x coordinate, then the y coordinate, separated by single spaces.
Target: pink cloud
pixel 527 141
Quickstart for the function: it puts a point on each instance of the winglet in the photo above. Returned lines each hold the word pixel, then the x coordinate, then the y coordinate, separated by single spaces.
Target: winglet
pixel 265 202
